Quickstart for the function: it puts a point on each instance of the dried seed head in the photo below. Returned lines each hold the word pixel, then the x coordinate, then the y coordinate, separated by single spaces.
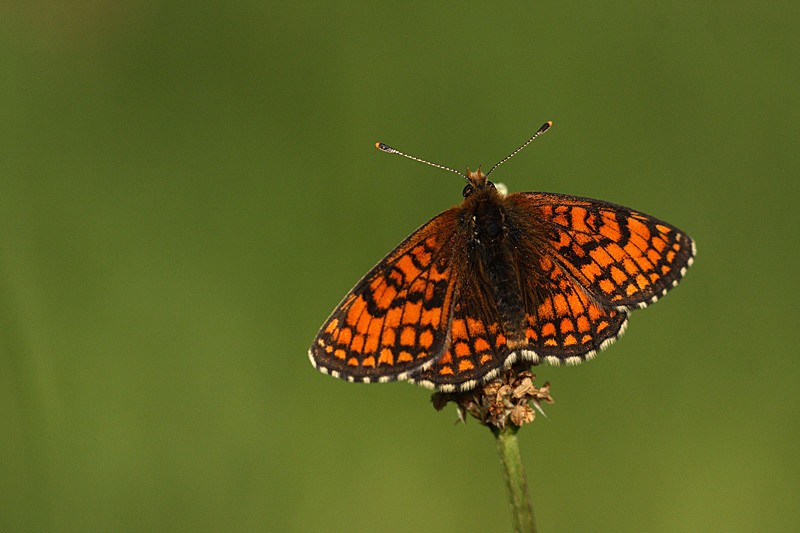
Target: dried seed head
pixel 506 400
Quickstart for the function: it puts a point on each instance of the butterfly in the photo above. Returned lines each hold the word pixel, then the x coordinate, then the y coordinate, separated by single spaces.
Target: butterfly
pixel 525 277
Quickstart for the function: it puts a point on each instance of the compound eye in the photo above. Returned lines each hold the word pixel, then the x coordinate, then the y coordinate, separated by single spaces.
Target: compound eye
pixel 467 190
pixel 490 185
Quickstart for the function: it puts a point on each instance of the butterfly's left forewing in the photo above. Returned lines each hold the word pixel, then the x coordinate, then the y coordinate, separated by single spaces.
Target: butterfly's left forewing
pixel 624 258
pixel 393 323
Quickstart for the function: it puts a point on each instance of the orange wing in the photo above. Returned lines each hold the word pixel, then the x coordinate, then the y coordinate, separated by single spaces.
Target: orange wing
pixel 393 322
pixel 624 259
pixel 561 323
pixel 477 348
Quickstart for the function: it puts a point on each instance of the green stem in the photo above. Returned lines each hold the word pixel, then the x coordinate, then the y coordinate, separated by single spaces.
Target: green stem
pixel 514 472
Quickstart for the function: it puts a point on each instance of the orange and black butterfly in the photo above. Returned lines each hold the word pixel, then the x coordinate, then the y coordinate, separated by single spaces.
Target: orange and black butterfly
pixel 530 276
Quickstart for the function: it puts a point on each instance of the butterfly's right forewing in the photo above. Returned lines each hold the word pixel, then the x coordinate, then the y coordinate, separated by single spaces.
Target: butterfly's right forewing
pixel 393 322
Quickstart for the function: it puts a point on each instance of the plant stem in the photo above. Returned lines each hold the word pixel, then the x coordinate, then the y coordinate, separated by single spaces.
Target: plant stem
pixel 514 473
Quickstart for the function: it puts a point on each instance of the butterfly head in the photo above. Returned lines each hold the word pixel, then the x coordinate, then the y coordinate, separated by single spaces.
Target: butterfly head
pixel 476 181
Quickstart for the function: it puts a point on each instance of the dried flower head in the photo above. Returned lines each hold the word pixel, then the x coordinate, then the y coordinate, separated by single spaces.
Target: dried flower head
pixel 506 400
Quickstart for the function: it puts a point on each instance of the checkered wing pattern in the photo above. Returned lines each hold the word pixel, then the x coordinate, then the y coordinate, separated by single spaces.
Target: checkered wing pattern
pixel 478 346
pixel 623 258
pixel 563 323
pixel 394 321
pixel 560 323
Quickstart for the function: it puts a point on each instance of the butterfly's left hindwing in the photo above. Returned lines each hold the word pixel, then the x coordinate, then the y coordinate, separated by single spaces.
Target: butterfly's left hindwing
pixel 393 322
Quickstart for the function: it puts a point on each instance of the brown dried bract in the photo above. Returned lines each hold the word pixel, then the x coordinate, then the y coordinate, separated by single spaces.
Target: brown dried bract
pixel 506 400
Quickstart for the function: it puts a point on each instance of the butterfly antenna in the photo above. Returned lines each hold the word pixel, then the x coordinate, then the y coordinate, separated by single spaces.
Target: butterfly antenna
pixel 544 128
pixel 389 150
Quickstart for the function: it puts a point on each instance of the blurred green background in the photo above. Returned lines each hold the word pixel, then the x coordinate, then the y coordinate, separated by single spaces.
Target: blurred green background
pixel 187 190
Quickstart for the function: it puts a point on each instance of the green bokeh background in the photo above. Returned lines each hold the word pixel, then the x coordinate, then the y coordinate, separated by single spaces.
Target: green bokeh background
pixel 186 191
